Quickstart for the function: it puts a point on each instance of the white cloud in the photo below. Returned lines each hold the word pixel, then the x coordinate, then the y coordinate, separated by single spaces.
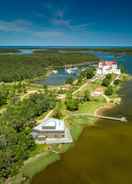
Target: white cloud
pixel 15 25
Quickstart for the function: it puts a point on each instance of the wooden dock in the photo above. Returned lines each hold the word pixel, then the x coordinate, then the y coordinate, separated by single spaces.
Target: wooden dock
pixel 122 119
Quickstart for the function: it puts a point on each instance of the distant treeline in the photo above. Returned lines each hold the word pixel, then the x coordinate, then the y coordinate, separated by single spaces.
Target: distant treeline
pixel 20 67
pixel 115 50
pixel 9 50
pixel 119 50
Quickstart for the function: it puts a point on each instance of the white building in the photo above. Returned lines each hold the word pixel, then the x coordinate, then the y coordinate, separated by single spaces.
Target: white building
pixel 51 131
pixel 108 67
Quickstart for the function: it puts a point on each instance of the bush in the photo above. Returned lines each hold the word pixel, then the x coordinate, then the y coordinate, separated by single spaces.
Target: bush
pixel 109 91
pixel 117 82
pixel 72 104
pixel 109 76
pixel 123 69
pixel 106 81
pixel 69 80
pixel 87 96
pixel 90 72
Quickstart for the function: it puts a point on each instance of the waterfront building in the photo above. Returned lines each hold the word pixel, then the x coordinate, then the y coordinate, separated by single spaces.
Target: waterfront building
pixel 108 67
pixel 51 131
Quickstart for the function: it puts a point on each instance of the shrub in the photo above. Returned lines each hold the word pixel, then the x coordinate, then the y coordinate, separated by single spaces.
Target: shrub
pixel 69 80
pixel 109 91
pixel 106 82
pixel 90 72
pixel 87 96
pixel 72 104
pixel 117 82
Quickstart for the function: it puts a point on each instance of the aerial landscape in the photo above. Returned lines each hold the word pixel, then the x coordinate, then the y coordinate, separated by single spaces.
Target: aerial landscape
pixel 66 92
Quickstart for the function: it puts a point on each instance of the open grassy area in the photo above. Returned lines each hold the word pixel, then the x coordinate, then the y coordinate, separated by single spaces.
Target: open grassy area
pixel 36 164
pixel 77 123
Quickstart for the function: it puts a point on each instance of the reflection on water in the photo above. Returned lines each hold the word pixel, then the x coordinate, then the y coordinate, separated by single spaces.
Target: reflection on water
pixel 58 78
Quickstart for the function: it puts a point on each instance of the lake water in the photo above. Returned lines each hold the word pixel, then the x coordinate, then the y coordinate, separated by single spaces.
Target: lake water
pixel 61 76
pixel 58 78
pixel 25 51
pixel 103 154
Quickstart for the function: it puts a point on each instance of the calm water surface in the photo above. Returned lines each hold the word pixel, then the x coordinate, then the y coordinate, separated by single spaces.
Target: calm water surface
pixel 61 76
pixel 102 155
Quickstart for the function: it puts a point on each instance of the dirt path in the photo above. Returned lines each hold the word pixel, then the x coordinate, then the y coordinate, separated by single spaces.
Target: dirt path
pixel 83 86
pixel 49 114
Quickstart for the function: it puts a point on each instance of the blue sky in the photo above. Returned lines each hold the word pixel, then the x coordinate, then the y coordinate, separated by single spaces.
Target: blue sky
pixel 66 22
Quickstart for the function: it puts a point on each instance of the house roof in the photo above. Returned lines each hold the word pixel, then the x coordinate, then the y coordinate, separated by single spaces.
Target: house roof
pixel 108 63
pixel 51 124
pixel 98 89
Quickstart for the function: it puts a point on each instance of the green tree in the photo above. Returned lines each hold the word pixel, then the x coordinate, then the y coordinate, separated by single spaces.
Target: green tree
pixel 117 82
pixel 122 68
pixel 90 72
pixel 107 80
pixel 72 104
pixel 109 76
pixel 69 80
pixel 87 96
pixel 109 91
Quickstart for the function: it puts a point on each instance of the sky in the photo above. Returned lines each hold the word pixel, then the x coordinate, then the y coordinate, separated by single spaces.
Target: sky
pixel 66 22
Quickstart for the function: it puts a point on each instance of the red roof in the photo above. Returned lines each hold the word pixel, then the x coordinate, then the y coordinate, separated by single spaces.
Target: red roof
pixel 109 63
pixel 98 89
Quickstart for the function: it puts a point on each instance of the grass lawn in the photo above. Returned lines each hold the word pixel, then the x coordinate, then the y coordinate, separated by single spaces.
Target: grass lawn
pixel 38 163
pixel 77 123
pixel 91 106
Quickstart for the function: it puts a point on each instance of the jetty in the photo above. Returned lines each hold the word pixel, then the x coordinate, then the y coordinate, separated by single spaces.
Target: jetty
pixel 121 119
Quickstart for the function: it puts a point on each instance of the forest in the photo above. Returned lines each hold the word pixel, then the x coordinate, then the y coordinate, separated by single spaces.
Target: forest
pixel 119 50
pixel 16 122
pixel 21 67
pixel 9 50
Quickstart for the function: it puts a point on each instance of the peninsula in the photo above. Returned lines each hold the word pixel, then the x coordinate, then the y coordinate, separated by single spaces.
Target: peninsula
pixel 64 110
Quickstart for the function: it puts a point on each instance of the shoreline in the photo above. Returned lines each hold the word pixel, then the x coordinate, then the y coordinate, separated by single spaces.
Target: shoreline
pixel 98 111
pixel 101 110
pixel 67 147
pixel 48 157
pixel 33 171
pixel 45 156
pixel 93 122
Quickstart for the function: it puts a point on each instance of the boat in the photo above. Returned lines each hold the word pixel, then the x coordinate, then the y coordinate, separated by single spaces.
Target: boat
pixel 55 71
pixel 71 70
